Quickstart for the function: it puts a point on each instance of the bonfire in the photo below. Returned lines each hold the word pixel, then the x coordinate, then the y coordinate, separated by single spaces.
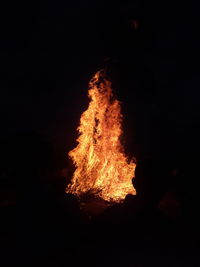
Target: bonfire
pixel 101 166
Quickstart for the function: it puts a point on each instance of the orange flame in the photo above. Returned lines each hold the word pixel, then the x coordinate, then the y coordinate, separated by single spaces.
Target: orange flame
pixel 101 165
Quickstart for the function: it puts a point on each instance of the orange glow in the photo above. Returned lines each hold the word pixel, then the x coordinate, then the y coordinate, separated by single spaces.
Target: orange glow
pixel 101 165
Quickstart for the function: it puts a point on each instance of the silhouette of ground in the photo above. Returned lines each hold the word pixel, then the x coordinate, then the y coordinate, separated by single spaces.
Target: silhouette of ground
pixel 46 225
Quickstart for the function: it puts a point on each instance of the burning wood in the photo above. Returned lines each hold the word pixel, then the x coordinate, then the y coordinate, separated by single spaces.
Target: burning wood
pixel 101 165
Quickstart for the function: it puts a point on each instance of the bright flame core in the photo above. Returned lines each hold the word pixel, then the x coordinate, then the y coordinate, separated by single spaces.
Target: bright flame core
pixel 101 165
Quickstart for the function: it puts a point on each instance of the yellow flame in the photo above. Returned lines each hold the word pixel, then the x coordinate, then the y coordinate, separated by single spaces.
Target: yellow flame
pixel 101 165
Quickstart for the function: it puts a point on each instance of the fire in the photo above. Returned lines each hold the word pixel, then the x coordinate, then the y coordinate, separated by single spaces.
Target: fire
pixel 101 165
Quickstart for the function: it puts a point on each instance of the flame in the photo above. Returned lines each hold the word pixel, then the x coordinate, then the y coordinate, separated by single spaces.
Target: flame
pixel 101 165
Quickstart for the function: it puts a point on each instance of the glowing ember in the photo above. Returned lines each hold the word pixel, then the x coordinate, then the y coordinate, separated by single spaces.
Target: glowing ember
pixel 101 165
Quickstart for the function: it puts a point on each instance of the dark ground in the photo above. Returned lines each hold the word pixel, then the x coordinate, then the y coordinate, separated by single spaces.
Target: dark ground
pixel 41 224
pixel 48 53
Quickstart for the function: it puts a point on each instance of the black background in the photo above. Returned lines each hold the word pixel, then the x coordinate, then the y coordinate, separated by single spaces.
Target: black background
pixel 49 52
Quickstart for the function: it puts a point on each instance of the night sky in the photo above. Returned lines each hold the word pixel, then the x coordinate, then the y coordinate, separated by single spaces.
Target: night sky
pixel 49 50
